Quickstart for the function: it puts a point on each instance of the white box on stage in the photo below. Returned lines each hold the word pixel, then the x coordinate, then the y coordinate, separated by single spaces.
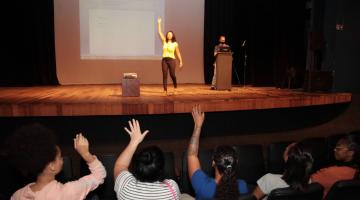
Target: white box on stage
pixel 130 85
pixel 130 75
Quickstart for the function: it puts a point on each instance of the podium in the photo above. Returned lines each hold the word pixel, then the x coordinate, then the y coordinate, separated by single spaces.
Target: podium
pixel 223 70
pixel 130 85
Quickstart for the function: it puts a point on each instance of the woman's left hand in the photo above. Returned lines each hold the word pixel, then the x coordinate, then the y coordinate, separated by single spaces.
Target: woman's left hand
pixel 198 116
pixel 135 133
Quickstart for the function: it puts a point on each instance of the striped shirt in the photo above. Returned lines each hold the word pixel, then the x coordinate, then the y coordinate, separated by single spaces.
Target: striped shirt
pixel 127 187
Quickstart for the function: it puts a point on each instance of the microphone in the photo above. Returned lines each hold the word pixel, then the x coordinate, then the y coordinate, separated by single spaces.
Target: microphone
pixel 243 44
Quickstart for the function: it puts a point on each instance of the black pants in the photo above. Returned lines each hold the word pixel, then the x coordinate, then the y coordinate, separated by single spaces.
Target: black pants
pixel 166 64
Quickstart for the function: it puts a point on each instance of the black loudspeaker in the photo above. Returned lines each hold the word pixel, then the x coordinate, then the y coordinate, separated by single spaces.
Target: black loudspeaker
pixel 318 80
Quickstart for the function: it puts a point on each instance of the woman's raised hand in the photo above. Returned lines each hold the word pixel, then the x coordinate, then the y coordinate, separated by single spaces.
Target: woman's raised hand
pixel 198 115
pixel 81 144
pixel 135 133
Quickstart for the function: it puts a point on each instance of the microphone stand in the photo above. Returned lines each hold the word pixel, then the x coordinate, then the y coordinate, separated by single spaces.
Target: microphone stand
pixel 245 57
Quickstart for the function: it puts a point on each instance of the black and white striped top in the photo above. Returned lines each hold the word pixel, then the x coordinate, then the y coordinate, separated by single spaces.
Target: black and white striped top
pixel 127 187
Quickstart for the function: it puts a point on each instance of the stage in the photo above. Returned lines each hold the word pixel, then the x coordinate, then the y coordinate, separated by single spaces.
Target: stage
pixel 97 100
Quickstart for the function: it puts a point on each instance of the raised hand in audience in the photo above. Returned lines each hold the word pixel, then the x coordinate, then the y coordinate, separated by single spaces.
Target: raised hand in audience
pixel 146 180
pixel 198 116
pixel 37 142
pixel 135 134
pixel 224 162
pixel 193 160
pixel 136 137
pixel 81 145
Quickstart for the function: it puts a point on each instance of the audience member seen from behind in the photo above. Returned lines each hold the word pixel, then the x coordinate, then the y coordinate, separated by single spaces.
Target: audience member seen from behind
pixel 147 180
pixel 296 174
pixel 224 185
pixel 34 151
pixel 346 153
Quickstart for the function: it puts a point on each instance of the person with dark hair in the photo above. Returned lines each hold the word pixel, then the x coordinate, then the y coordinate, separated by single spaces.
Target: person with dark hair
pixel 217 49
pixel 347 155
pixel 170 47
pixel 34 151
pixel 298 165
pixel 147 180
pixel 225 185
pixel 149 165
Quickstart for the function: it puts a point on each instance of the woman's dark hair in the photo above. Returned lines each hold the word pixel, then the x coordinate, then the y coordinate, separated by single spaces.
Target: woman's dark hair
pixel 31 148
pixel 149 164
pixel 173 39
pixel 225 159
pixel 298 168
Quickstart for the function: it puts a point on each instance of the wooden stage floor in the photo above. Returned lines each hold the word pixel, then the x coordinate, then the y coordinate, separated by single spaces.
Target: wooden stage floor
pixel 90 100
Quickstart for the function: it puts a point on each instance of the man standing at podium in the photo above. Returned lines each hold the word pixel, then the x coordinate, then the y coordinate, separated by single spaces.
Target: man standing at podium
pixel 221 47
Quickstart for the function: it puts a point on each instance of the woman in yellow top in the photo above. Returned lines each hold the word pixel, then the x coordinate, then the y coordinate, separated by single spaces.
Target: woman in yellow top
pixel 170 47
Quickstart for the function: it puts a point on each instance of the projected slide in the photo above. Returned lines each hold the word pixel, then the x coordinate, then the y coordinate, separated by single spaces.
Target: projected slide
pixel 120 29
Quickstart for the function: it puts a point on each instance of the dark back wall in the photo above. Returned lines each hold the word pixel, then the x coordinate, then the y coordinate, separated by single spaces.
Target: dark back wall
pixel 342 47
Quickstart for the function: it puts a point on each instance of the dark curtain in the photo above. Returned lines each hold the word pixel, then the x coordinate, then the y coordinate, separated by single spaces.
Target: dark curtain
pixel 275 34
pixel 28 42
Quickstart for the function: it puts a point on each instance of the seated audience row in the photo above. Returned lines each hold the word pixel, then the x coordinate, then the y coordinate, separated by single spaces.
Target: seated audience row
pixel 297 171
pixel 140 175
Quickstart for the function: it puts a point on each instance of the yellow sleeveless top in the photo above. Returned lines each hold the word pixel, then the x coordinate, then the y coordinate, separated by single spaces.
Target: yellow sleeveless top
pixel 169 49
